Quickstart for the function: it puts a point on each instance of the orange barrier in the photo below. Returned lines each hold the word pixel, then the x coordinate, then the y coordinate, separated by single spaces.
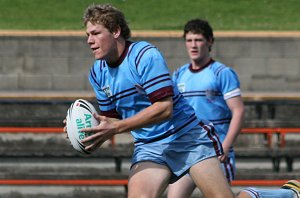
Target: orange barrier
pixel 31 130
pixel 98 182
pixel 270 131
pixel 121 182
pixel 258 182
pixel 37 130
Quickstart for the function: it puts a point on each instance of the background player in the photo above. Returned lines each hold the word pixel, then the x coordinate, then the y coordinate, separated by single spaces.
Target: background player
pixel 213 90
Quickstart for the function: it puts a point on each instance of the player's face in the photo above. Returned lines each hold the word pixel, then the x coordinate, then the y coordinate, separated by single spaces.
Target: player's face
pixel 101 41
pixel 197 46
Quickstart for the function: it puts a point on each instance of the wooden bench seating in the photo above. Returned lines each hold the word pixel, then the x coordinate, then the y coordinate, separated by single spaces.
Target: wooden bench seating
pixel 256 103
pixel 275 154
pixel 270 100
pixel 116 177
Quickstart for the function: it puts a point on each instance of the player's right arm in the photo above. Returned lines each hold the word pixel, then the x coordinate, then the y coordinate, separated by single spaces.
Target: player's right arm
pixel 159 111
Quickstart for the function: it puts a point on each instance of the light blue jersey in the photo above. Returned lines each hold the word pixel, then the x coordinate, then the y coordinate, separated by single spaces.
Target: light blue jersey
pixel 207 90
pixel 140 78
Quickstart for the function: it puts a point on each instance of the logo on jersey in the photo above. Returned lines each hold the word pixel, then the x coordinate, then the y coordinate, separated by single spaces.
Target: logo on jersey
pixel 211 94
pixel 107 91
pixel 181 87
pixel 140 89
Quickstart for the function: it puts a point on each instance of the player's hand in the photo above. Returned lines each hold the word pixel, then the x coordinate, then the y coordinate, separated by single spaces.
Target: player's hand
pixel 104 131
pixel 65 131
pixel 223 158
pixel 65 128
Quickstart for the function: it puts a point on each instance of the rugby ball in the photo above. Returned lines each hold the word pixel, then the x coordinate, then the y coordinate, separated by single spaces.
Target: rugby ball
pixel 79 116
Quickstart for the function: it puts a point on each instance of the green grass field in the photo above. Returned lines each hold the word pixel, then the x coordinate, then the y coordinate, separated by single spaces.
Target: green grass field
pixel 275 15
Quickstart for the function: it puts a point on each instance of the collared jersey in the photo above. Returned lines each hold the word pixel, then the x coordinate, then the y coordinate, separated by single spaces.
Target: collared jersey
pixel 139 79
pixel 207 90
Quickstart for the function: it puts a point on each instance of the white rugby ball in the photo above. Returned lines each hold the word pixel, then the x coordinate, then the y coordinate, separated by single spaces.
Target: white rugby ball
pixel 79 116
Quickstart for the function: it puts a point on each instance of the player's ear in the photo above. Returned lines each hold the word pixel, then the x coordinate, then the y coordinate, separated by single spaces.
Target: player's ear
pixel 117 32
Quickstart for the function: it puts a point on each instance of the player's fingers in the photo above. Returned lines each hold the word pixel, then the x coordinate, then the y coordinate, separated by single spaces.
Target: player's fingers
pixel 99 117
pixel 94 145
pixel 88 130
pixel 221 158
pixel 92 137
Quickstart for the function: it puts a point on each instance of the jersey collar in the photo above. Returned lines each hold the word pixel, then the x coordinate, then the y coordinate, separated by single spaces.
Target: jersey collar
pixel 201 68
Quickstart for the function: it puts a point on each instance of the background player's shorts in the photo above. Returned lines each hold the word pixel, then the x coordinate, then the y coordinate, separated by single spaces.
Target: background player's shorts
pixel 180 153
pixel 229 167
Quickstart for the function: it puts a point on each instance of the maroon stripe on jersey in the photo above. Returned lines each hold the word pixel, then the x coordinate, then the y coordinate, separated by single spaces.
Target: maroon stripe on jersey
pixel 161 93
pixel 215 139
pixel 201 68
pixel 111 114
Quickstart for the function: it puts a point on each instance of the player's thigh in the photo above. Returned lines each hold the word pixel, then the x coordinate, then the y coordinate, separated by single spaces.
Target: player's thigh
pixel 148 179
pixel 184 187
pixel 209 178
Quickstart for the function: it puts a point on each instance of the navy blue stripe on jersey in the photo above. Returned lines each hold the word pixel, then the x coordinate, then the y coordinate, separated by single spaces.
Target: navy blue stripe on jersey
pixel 157 82
pixel 94 76
pixel 176 99
pixel 199 93
pixel 191 119
pixel 122 92
pixel 219 70
pixel 251 191
pixel 221 121
pixel 102 64
pixel 141 53
pixel 227 172
pixel 132 46
pixel 153 79
pixel 106 102
pixel 125 95
pixel 231 170
pixel 118 96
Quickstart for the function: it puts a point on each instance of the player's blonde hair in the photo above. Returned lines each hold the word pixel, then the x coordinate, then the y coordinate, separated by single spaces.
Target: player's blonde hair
pixel 108 16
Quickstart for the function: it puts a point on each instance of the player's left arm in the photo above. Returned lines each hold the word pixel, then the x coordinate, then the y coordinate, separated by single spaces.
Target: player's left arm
pixel 230 86
pixel 237 109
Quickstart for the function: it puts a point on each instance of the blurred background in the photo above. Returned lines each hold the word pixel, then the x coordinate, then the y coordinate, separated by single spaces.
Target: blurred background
pixel 44 64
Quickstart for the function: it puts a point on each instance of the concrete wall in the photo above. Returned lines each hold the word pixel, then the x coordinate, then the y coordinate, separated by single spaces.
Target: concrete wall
pixel 264 63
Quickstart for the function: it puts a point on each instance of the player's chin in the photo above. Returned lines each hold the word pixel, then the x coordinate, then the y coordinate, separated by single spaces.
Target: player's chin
pixel 98 55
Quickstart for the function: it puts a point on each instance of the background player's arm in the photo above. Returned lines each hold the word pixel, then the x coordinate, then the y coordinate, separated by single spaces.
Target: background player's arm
pixel 236 106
